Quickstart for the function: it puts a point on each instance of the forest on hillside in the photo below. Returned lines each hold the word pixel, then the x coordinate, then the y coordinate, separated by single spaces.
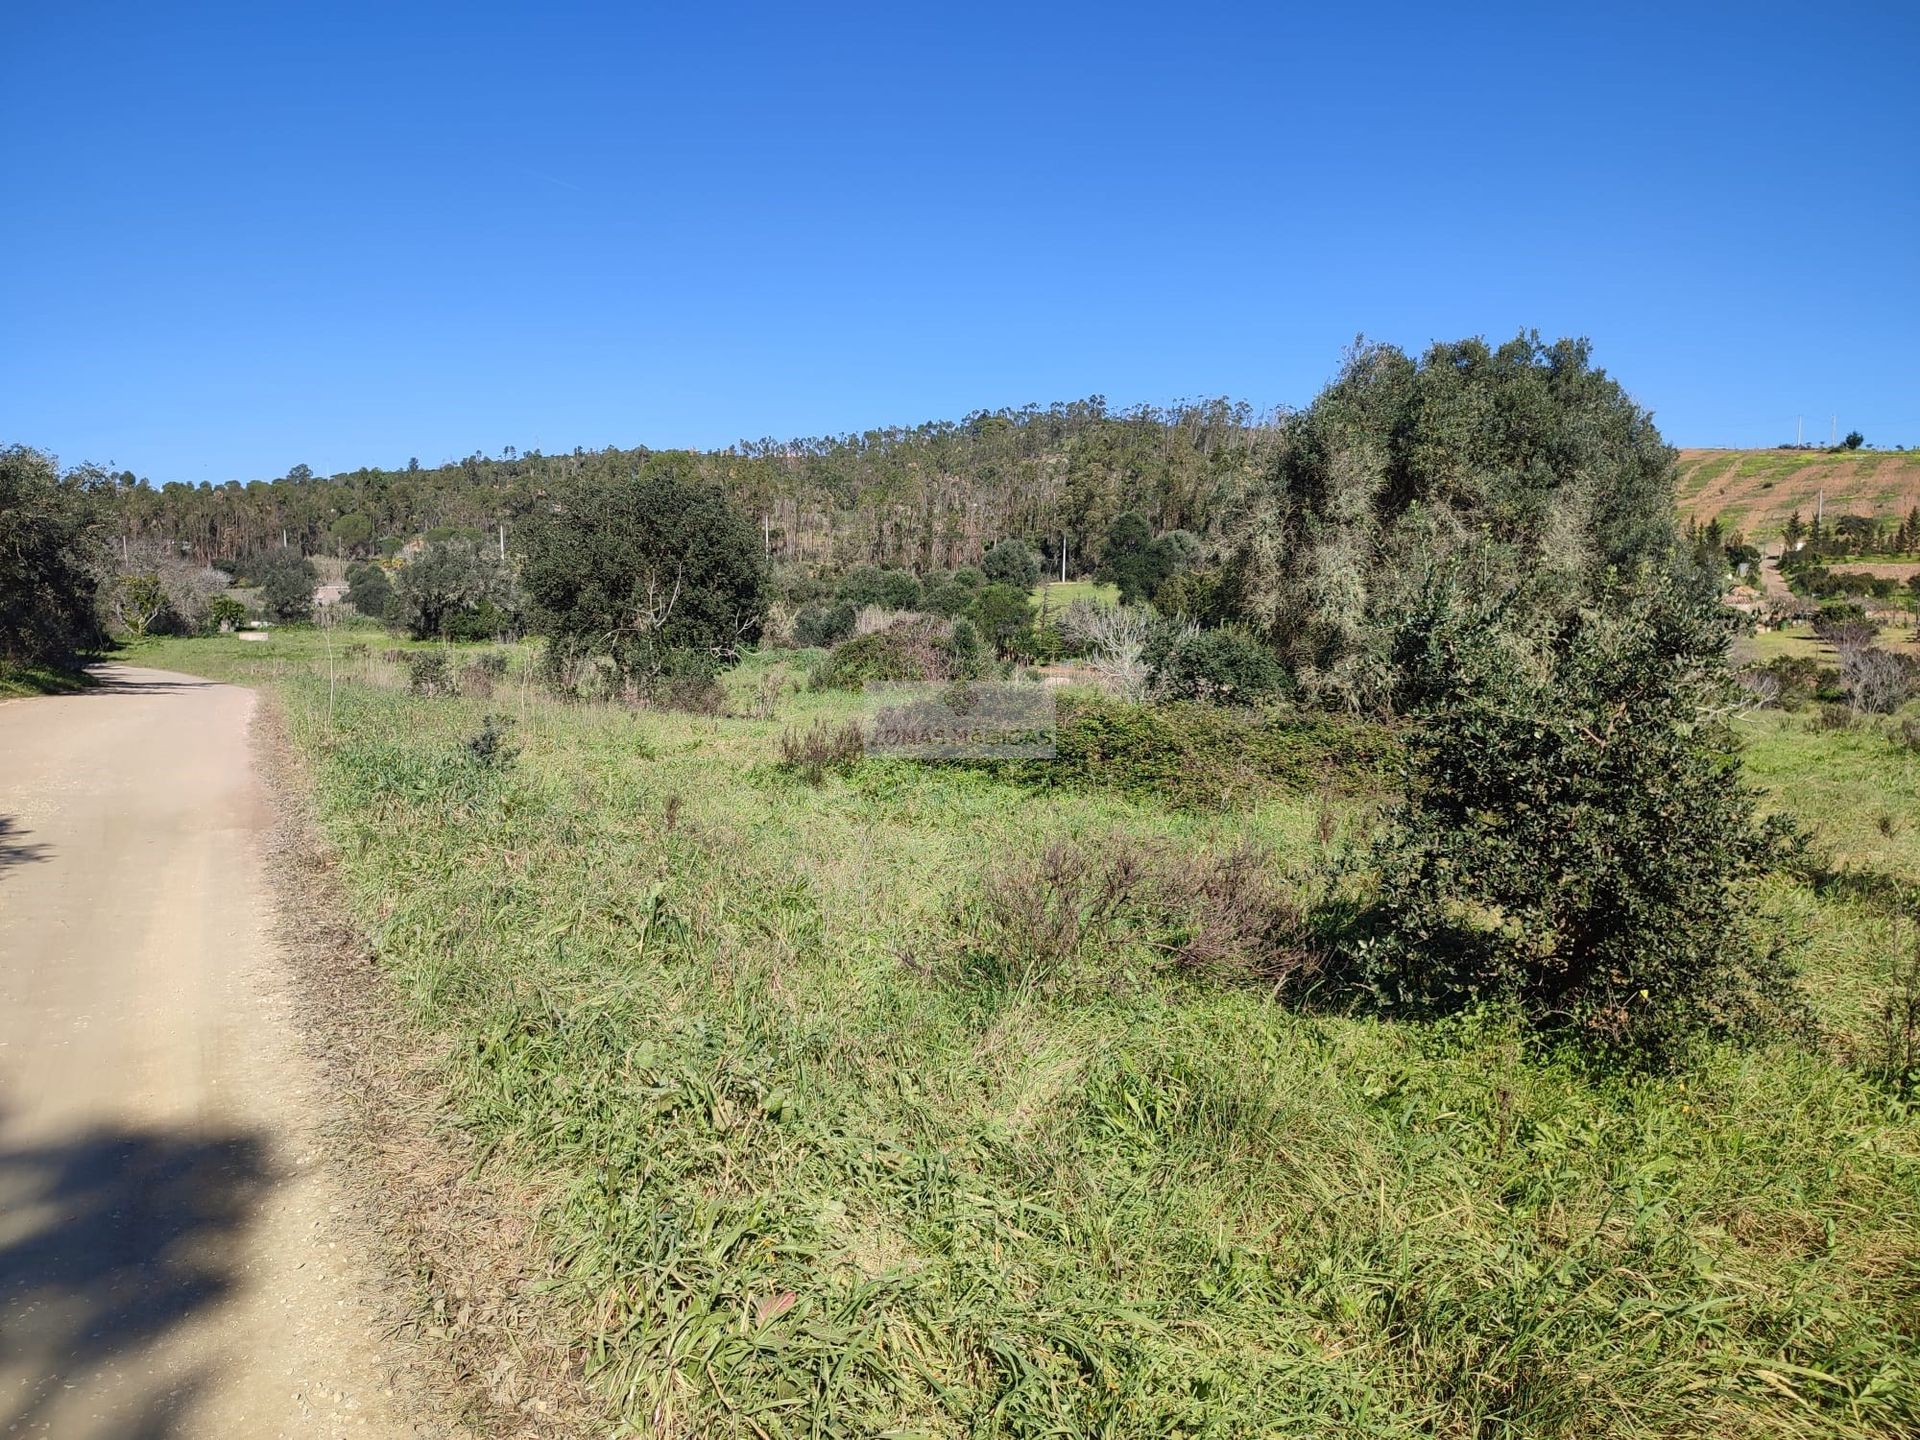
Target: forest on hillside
pixel 924 497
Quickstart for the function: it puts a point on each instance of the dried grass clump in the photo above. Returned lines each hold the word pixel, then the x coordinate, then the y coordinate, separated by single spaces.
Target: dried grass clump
pixel 823 747
pixel 1116 911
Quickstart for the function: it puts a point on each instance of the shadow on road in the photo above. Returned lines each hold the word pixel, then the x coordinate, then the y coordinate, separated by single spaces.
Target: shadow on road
pixel 12 851
pixel 109 1241
pixel 109 684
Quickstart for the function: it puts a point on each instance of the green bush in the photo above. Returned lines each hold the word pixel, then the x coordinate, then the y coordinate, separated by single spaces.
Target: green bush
pixel 1228 666
pixel 50 558
pixel 1195 756
pixel 1576 839
pixel 1012 562
pixel 909 650
pixel 817 625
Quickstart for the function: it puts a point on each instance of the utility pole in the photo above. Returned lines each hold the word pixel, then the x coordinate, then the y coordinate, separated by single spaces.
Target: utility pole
pixel 1063 557
pixel 503 539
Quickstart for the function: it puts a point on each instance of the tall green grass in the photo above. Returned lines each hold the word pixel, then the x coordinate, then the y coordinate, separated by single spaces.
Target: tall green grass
pixel 802 1184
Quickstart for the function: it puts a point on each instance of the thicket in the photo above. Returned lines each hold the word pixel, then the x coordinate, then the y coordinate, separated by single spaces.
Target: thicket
pixel 51 559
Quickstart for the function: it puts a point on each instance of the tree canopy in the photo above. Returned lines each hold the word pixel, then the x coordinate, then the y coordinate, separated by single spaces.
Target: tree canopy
pixel 657 572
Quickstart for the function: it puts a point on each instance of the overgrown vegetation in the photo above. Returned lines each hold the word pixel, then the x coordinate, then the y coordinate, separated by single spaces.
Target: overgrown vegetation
pixel 896 1102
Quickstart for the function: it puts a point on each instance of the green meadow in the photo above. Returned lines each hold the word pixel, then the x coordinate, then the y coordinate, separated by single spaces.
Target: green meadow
pixel 812 1167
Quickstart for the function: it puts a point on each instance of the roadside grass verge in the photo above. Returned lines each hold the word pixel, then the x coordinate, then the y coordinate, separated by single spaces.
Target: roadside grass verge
pixel 17 681
pixel 800 1181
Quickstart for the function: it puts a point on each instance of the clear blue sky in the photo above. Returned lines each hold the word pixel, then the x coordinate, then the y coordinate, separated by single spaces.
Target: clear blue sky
pixel 244 236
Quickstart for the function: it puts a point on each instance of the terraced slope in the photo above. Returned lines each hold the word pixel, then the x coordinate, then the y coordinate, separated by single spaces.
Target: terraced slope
pixel 1756 490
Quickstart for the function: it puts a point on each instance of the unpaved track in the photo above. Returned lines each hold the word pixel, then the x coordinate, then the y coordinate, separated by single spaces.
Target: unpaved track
pixel 175 1258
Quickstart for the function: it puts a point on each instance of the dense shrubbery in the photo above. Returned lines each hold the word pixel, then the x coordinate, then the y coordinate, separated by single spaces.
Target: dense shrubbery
pixel 1227 666
pixel 286 582
pixel 1576 838
pixel 49 561
pixel 368 590
pixel 1396 472
pixel 919 647
pixel 1204 757
pixel 1113 913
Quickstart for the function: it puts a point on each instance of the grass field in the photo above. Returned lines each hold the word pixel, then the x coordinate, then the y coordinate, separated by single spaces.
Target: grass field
pixel 1799 640
pixel 1057 594
pixel 1756 490
pixel 805 1178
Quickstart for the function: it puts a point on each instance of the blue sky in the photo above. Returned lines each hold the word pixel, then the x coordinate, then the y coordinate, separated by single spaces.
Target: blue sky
pixel 243 237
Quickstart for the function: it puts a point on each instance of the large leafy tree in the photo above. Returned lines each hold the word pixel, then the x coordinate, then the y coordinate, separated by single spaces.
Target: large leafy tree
pixel 657 572
pixel 50 559
pixel 1576 837
pixel 1525 457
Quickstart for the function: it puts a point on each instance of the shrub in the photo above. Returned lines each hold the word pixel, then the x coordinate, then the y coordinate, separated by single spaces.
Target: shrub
pixel 1877 682
pixel 999 612
pixel 456 589
pixel 428 673
pixel 489 747
pixel 821 748
pixel 368 590
pixel 1790 681
pixel 286 580
pixel 1228 666
pixel 1192 756
pixel 225 613
pixel 818 626
pixel 1576 838
pixel 916 649
pixel 889 589
pixel 1012 562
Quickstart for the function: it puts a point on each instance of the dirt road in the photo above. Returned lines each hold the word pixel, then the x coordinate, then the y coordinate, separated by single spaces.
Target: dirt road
pixel 174 1256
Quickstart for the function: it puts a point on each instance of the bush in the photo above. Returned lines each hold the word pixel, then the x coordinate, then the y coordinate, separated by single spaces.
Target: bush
pixel 1229 666
pixel 489 747
pixel 225 613
pixel 659 574
pixel 1877 682
pixel 1192 756
pixel 1791 681
pixel 917 649
pixel 50 554
pixel 286 580
pixel 368 590
pixel 428 672
pixel 1576 839
pixel 1000 612
pixel 818 626
pixel 888 589
pixel 456 589
pixel 1012 562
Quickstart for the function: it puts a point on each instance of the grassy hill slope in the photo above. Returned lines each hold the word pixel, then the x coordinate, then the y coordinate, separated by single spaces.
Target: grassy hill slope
pixel 1756 490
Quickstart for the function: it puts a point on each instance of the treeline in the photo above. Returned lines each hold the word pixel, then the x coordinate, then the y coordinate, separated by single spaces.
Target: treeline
pixel 926 497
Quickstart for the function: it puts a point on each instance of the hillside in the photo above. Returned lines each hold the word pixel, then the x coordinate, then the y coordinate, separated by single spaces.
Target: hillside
pixel 1756 490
